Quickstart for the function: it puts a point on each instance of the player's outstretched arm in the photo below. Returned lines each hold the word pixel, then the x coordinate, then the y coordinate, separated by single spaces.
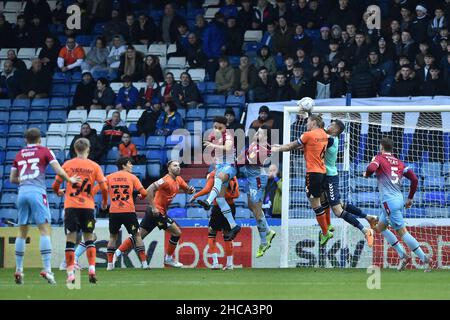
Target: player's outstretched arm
pixel 60 172
pixel 286 147
pixel 411 176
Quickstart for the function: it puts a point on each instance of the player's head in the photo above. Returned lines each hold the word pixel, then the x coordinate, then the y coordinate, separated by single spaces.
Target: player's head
pixel 220 124
pixel 82 147
pixel 335 128
pixel 174 168
pixel 386 145
pixel 314 122
pixel 125 164
pixel 126 138
pixel 33 136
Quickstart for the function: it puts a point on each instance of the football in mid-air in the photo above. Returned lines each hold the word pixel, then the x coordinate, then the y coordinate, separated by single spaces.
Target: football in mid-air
pixel 306 104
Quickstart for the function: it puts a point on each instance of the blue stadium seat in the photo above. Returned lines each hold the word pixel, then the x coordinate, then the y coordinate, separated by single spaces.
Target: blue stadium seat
pixel 446 169
pixel 60 155
pixel 15 143
pixel 195 114
pixel 179 201
pixel 193 126
pixel 49 183
pixel 84 40
pixel 4 129
pixel 53 200
pixel 8 199
pixel 367 198
pixel 242 201
pixel 73 89
pixel 18 117
pixel 431 169
pixel 446 140
pixel 110 168
pixel 364 184
pixel 8 186
pixel 252 47
pixel 40 104
pixel 139 142
pixel 140 171
pixel 76 77
pixel 434 198
pixel 314 34
pixel 234 61
pixel 21 104
pixel 49 172
pixel 196 213
pixel 371 211
pixel 38 116
pixel 235 101
pixel 56 216
pixel 242 185
pixel 154 170
pixel 2 159
pixel 99 28
pixel 132 127
pixel 437 212
pixel 7 171
pixel 415 212
pixel 41 126
pixel 177 213
pixel 361 168
pixel 112 155
pixel 243 213
pixel 173 140
pixel 4 116
pixel 59 103
pixel 214 100
pixel 57 116
pixel 60 90
pixel 60 77
pixel 156 155
pixel 17 129
pixel 201 87
pixel 156 142
pixel 5 104
pixel 210 87
pixel 214 112
pixel 434 183
pixel 9 214
pixel 198 184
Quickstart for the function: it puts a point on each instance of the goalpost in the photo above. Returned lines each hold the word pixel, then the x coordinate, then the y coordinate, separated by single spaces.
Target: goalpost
pixel 421 142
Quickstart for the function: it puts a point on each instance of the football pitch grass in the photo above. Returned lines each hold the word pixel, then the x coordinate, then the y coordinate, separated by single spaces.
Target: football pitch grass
pixel 252 284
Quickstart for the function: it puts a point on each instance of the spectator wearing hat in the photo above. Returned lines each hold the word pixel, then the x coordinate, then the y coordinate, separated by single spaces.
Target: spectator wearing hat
pixel 300 39
pixel 71 56
pixel 232 123
pixel 263 86
pixel 225 77
pixel 282 37
pixel 405 84
pixel 234 38
pixel 265 59
pixel 281 89
pixel 321 46
pixel 264 119
pixel 434 86
pixel 419 27
pixel 149 95
pixel 185 93
pixel 84 92
pixel 245 77
pixel 439 22
pixel 127 97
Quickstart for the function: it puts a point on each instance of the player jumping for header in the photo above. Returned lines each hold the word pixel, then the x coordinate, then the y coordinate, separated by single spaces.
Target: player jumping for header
pixel 389 171
pixel 332 196
pixel 160 194
pixel 221 144
pixel 28 170
pixel 314 143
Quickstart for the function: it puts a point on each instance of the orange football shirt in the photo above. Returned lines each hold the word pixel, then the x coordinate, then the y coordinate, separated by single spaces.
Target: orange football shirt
pixel 121 185
pixel 168 188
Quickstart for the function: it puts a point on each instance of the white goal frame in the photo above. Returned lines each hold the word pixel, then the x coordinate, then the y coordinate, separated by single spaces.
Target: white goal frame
pixel 288 111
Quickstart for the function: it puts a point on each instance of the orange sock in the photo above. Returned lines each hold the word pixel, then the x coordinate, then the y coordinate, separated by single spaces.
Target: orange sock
pixel 327 214
pixel 212 245
pixel 126 245
pixel 322 220
pixel 110 254
pixel 70 259
pixel 228 248
pixel 142 256
pixel 91 253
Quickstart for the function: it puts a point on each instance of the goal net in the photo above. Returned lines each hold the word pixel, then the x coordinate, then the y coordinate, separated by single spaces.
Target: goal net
pixel 420 142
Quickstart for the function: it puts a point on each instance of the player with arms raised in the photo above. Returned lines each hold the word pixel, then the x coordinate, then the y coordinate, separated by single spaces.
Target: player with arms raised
pixel 160 194
pixel 28 170
pixel 217 221
pixel 389 171
pixel 221 144
pixel 79 205
pixel 332 196
pixel 314 143
pixel 254 160
pixel 121 185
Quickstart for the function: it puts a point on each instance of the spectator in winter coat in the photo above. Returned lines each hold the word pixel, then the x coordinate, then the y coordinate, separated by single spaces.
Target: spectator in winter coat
pixel 439 22
pixel 115 52
pixel 127 96
pixel 38 31
pixel 419 28
pixel 234 38
pixel 6 31
pixel 245 15
pixel 36 83
pixel 167 87
pixel 232 123
pixel 131 64
pixel 169 120
pixel 282 38
pixel 152 67
pixel 21 33
pixel 300 85
pixel 149 95
pixel 186 93
pixel 40 9
pixel 96 58
pixel 18 64
pixel 264 12
pixel 49 54
pixel 281 90
pixel 194 54
pixel 263 86
pixel 229 9
pixel 265 59
pixel 71 56
pixel 84 92
pixel 363 83
pixel 405 84
pixel 434 86
pixel 146 125
pixel 200 26
pixel 264 119
pixel 147 32
pixel 9 82
pixel 300 39
pixel 96 152
pixel 104 96
pixel 246 76
pixel 224 77
pixel 169 22
pixel 111 135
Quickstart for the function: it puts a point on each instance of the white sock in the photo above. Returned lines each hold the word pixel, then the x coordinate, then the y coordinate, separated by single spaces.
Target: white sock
pixel 92 268
pixel 144 264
